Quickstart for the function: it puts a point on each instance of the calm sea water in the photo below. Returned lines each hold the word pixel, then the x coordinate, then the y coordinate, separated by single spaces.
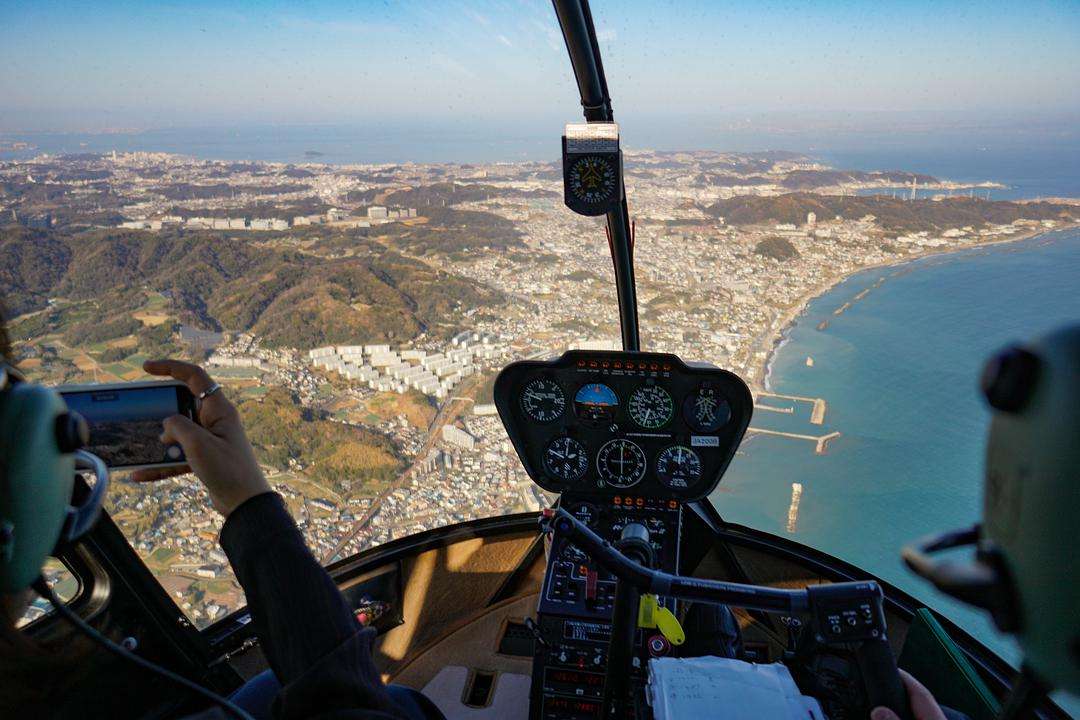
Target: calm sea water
pixel 898 369
pixel 1030 170
pixel 1032 164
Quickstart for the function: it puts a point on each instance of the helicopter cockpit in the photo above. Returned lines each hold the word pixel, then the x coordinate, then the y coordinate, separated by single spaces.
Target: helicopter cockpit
pixel 614 590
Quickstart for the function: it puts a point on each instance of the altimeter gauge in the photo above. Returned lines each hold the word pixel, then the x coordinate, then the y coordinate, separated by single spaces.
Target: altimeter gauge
pixel 543 400
pixel 678 467
pixel 566 459
pixel 651 407
pixel 621 463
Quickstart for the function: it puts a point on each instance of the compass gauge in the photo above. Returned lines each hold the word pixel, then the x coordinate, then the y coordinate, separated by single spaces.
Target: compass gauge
pixel 621 463
pixel 565 458
pixel 678 467
pixel 543 400
pixel 651 407
pixel 592 179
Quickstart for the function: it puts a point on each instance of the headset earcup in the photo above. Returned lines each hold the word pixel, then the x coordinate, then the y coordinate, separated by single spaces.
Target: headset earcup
pixel 36 481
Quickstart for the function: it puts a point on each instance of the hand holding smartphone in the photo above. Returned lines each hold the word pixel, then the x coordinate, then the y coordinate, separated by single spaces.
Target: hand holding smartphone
pixel 125 421
pixel 206 437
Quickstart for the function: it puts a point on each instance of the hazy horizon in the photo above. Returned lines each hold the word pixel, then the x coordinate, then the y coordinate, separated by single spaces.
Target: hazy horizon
pixel 840 66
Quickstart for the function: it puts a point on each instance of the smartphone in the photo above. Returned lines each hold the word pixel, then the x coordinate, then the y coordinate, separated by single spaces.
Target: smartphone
pixel 125 420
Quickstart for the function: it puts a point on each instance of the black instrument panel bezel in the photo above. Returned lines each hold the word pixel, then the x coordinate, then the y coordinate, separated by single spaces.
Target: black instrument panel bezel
pixel 622 372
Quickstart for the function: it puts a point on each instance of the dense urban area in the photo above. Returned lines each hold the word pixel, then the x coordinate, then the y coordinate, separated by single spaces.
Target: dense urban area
pixel 357 315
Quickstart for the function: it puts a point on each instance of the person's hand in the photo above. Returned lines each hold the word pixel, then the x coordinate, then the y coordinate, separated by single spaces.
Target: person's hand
pixel 923 704
pixel 217 450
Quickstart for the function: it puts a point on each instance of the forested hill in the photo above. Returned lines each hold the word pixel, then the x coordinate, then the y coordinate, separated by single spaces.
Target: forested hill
pixel 894 215
pixel 286 296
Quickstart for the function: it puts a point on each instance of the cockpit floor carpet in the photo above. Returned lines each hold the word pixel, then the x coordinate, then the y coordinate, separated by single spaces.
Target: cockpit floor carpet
pixel 509 699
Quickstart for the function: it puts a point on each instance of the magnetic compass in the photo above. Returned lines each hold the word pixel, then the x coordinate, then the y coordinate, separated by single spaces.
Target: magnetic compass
pixel 592 168
pixel 592 179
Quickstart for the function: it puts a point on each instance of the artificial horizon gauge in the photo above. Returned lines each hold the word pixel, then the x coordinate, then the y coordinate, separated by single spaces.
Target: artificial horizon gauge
pixel 543 400
pixel 651 407
pixel 621 463
pixel 706 410
pixel 595 403
pixel 566 458
pixel 678 467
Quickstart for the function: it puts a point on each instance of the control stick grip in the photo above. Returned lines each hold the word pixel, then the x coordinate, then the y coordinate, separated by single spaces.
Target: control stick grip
pixel 881 678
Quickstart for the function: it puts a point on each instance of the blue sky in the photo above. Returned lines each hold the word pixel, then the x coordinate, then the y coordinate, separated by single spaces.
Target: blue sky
pixel 89 66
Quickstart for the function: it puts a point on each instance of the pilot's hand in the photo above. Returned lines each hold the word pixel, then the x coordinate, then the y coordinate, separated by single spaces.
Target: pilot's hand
pixel 217 450
pixel 923 704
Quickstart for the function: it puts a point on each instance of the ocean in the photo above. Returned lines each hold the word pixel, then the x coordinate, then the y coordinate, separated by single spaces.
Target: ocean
pixel 1031 165
pixel 898 369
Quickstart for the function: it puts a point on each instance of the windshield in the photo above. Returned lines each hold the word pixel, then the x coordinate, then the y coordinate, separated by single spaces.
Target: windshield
pixel 353 216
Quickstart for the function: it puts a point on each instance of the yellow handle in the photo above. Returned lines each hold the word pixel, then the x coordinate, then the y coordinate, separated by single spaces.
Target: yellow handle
pixel 646 617
pixel 669 626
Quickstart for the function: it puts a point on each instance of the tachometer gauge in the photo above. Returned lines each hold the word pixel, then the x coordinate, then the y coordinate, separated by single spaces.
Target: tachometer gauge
pixel 678 467
pixel 543 400
pixel 651 407
pixel 621 463
pixel 565 458
pixel 595 403
pixel 707 410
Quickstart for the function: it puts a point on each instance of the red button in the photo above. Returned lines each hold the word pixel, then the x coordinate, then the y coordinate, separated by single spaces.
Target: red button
pixel 590 585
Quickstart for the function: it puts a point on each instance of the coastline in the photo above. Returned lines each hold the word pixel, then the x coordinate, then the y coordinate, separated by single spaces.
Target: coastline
pixel 776 337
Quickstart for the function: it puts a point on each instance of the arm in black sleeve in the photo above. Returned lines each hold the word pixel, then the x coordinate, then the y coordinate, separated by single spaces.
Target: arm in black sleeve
pixel 317 649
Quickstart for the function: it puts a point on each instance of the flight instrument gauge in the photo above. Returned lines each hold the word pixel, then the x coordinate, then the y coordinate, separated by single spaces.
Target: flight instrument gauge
pixel 595 403
pixel 621 463
pixel 586 513
pixel 543 400
pixel 678 467
pixel 592 168
pixel 593 180
pixel 565 458
pixel 651 407
pixel 706 410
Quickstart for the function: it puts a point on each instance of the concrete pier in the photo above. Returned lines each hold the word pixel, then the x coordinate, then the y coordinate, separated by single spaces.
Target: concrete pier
pixel 821 442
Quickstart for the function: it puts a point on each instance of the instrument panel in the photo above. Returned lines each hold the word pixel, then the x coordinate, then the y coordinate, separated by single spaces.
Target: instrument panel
pixel 606 422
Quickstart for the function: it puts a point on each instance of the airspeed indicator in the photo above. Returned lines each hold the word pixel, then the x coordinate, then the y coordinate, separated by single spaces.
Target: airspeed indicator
pixel 651 407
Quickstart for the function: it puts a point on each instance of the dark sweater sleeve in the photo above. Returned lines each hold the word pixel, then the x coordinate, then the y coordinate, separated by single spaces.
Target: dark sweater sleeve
pixel 318 651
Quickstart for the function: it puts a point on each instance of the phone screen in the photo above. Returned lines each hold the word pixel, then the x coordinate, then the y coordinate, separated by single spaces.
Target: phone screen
pixel 125 423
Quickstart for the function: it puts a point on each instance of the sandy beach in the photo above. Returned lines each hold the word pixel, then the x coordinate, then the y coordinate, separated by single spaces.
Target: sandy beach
pixel 773 339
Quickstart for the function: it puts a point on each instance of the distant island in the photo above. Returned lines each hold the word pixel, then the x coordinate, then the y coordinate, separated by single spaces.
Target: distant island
pixel 313 153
